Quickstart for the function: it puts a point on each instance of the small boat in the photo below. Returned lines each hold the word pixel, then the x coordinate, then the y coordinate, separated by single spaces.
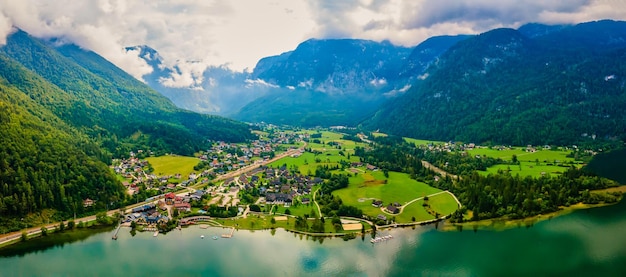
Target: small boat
pixel 202 236
pixel 156 233
pixel 214 237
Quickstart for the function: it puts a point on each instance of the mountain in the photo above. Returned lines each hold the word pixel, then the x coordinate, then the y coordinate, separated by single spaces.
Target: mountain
pixel 220 90
pixel 64 112
pixel 337 81
pixel 336 66
pixel 541 85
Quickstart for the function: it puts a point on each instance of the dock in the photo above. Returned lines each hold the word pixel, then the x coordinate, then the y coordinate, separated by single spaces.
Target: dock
pixel 381 239
pixel 116 231
pixel 227 236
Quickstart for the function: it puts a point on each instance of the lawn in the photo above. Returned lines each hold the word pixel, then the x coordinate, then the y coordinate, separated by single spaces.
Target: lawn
pixel 301 209
pixel 549 156
pixel 533 164
pixel 526 169
pixel 307 162
pixel 172 165
pixel 443 203
pixel 419 142
pixel 398 188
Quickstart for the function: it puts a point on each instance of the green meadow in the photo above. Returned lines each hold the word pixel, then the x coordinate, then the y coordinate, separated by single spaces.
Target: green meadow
pixel 534 164
pixel 419 142
pixel 172 165
pixel 327 155
pixel 399 187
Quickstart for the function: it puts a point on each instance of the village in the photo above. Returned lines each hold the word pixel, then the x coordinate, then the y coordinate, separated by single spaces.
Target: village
pixel 170 195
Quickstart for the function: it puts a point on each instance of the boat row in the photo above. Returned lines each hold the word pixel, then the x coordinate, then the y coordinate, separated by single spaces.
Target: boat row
pixel 379 239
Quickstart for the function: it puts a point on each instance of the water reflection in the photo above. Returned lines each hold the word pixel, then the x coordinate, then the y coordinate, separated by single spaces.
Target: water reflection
pixel 582 243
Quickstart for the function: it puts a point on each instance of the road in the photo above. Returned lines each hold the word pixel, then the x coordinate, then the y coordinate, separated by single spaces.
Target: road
pixel 438 170
pixel 13 236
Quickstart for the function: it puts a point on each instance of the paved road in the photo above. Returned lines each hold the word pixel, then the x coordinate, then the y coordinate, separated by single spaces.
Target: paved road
pixel 4 238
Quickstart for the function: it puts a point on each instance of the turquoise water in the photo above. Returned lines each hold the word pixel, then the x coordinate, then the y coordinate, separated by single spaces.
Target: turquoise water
pixel 584 243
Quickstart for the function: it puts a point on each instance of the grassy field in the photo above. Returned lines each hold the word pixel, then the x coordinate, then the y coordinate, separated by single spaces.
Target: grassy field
pixel 419 142
pixel 299 210
pixel 534 164
pixel 260 222
pixel 172 164
pixel 398 188
pixel 544 156
pixel 329 155
pixel 526 169
pixel 443 203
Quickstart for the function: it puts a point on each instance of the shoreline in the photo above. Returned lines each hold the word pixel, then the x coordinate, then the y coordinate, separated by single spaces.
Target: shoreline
pixel 501 224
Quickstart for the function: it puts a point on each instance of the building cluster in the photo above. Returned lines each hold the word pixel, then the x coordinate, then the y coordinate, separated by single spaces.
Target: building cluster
pixel 279 186
pixel 224 157
pixel 147 215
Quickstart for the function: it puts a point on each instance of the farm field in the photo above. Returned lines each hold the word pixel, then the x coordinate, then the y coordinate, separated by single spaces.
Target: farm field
pixel 172 165
pixel 525 169
pixel 328 155
pixel 534 164
pixel 399 187
pixel 545 156
pixel 419 142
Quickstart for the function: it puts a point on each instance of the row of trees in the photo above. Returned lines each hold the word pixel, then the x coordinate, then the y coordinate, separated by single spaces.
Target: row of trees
pixel 495 195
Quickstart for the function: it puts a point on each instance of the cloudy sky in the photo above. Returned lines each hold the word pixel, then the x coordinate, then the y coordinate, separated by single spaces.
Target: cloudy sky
pixel 194 34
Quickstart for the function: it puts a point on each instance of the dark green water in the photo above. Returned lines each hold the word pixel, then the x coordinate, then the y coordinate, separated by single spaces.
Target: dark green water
pixel 584 243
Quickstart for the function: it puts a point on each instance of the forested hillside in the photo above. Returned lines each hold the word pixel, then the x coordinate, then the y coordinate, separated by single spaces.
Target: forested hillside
pixel 562 85
pixel 62 119
pixel 338 81
pixel 104 101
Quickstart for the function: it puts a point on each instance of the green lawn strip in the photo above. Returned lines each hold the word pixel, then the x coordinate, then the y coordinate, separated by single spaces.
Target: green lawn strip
pixel 299 210
pixel 543 156
pixel 172 164
pixel 526 169
pixel 444 203
pixel 419 142
pixel 399 188
pixel 416 210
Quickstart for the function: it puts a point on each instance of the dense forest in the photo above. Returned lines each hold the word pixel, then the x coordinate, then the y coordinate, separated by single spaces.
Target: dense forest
pixel 64 113
pixel 505 86
pixel 495 195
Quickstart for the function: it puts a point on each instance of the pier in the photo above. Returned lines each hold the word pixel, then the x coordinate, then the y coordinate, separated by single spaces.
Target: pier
pixel 227 236
pixel 116 231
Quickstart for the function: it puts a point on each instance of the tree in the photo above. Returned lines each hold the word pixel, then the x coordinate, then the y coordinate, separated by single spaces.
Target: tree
pixel 44 231
pixel 24 236
pixel 273 221
pixel 287 211
pixel 71 224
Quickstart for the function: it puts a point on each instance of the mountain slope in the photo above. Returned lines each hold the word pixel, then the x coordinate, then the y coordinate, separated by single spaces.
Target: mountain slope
pixel 504 87
pixel 338 81
pixel 107 102
pixel 63 113
pixel 45 164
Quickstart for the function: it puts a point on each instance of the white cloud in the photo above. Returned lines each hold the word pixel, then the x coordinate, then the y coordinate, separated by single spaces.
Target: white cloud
pixel 237 33
pixel 258 82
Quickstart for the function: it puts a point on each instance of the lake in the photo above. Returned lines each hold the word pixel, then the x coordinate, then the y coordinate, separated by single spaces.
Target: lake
pixel 583 243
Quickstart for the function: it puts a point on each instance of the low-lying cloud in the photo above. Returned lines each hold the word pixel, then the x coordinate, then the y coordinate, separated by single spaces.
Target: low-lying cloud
pixel 192 35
